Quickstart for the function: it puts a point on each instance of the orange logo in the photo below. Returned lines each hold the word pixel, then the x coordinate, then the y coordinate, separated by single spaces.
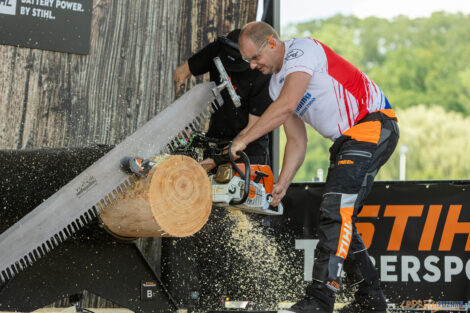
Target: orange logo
pixel 345 162
pixel 334 284
pixel 401 214
pixel 346 232
pixel 252 192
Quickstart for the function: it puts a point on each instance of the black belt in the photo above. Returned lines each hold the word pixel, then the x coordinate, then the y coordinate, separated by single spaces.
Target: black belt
pixel 376 116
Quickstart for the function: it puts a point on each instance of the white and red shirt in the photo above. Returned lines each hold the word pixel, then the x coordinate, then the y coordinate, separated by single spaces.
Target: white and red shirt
pixel 338 95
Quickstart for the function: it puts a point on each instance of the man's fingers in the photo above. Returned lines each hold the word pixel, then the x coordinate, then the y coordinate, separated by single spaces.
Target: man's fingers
pixel 207 164
pixel 236 148
pixel 179 88
pixel 278 194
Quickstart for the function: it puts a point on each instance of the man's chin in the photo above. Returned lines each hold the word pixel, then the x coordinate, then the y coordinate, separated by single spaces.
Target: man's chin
pixel 264 70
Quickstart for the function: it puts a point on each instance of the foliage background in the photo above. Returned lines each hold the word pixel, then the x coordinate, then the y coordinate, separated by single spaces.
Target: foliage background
pixel 423 67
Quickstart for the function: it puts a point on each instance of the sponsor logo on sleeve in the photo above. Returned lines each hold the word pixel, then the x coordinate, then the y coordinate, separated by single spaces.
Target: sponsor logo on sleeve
pixel 304 104
pixel 294 54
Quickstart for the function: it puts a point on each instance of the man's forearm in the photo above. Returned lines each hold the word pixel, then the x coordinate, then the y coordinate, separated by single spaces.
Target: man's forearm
pixel 294 155
pixel 272 118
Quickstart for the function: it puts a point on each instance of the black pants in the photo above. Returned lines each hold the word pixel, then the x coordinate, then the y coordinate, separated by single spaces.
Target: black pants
pixel 353 167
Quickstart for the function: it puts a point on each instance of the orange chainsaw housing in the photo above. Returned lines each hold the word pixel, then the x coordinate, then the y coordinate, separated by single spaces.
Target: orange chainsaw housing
pixel 267 182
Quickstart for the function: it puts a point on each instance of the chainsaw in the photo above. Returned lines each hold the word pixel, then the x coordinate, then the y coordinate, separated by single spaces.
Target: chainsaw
pixel 81 200
pixel 243 186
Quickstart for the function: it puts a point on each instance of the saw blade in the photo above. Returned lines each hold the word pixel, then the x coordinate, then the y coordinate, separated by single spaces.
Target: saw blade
pixel 79 201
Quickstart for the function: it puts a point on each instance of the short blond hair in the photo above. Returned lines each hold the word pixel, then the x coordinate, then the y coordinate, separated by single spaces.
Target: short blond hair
pixel 258 32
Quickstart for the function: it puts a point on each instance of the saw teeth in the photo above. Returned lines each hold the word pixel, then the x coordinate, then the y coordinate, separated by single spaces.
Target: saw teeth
pixel 198 117
pixel 4 276
pixel 108 202
pixel 36 254
pixel 57 238
pixel 119 191
pixel 93 212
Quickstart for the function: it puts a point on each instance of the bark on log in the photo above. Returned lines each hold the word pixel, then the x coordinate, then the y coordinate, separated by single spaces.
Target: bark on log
pixel 175 200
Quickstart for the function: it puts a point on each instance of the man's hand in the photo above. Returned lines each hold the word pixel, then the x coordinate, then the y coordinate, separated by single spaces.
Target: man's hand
pixel 207 164
pixel 279 191
pixel 237 145
pixel 180 75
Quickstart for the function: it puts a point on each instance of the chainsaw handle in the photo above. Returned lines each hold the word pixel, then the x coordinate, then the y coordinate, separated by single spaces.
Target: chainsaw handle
pixel 245 176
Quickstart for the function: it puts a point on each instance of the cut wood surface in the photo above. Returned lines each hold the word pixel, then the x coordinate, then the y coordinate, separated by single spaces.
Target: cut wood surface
pixel 175 200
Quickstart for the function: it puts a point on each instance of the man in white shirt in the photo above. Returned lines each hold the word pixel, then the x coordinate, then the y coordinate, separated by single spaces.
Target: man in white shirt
pixel 312 84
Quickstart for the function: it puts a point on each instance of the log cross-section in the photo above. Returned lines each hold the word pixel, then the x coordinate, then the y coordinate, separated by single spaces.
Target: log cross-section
pixel 174 200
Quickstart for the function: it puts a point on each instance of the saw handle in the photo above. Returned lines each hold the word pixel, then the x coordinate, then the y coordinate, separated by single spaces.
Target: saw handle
pixel 245 176
pixel 226 82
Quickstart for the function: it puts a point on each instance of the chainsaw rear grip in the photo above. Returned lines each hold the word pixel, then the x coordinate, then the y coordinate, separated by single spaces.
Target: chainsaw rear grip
pixel 245 176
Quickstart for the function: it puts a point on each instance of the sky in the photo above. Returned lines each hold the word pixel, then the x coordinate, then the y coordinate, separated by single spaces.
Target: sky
pixel 294 11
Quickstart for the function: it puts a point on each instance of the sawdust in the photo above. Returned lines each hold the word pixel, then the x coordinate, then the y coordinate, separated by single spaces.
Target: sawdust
pixel 239 256
pixel 244 260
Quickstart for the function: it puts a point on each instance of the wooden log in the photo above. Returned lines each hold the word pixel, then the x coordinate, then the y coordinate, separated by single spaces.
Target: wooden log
pixel 175 200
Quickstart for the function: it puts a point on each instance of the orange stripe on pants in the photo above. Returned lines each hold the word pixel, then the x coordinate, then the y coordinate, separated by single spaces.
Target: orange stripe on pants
pixel 346 232
pixel 366 131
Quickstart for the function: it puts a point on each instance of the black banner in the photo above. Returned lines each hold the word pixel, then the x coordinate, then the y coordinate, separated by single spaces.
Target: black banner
pixel 58 25
pixel 418 234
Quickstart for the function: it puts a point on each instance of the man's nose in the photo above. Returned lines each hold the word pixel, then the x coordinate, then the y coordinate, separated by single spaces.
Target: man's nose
pixel 253 65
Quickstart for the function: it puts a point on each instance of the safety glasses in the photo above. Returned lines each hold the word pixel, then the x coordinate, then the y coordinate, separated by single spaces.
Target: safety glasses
pixel 258 52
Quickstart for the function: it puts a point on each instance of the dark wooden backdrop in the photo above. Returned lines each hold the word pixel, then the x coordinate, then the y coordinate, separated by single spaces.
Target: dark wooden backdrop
pixel 51 99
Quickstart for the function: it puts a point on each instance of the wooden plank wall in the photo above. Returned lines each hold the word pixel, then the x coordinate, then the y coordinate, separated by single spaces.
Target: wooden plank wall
pixel 52 99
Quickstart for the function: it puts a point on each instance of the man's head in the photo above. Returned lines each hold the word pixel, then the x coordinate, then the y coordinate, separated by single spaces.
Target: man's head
pixel 229 53
pixel 260 46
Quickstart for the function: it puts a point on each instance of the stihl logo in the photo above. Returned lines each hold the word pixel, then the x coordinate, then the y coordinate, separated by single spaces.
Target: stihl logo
pixel 346 232
pixel 401 214
pixel 8 7
pixel 345 240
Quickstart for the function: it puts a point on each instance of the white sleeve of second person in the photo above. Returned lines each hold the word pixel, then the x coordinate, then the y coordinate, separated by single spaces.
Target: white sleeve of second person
pixel 300 56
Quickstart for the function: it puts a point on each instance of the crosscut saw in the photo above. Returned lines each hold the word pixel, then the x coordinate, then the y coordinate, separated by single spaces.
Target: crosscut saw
pixel 79 201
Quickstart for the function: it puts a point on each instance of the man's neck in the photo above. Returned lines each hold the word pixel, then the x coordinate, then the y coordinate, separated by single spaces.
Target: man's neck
pixel 283 49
